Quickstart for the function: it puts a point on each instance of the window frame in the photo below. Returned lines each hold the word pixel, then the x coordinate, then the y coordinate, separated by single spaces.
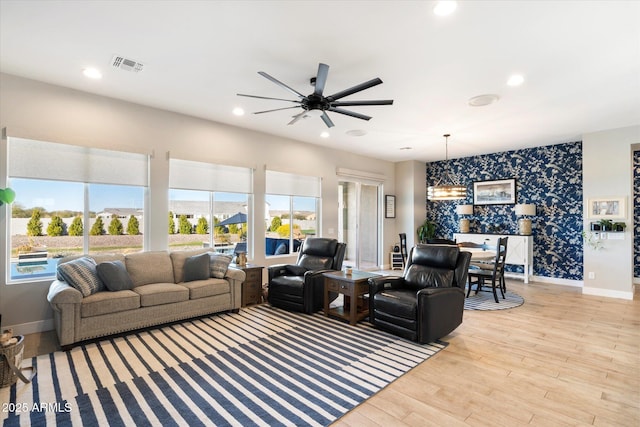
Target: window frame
pixel 32 159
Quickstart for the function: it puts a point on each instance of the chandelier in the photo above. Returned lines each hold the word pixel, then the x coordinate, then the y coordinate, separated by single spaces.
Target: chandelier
pixel 446 188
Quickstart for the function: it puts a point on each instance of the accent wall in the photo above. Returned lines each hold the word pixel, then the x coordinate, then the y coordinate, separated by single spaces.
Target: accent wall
pixel 549 177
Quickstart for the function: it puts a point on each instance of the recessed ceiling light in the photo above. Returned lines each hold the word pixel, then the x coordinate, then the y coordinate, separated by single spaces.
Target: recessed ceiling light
pixel 482 100
pixel 356 132
pixel 515 80
pixel 324 134
pixel 238 111
pixel 406 148
pixel 444 8
pixel 92 73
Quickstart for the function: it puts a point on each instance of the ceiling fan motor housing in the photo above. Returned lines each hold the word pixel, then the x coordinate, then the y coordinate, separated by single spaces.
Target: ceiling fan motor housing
pixel 315 102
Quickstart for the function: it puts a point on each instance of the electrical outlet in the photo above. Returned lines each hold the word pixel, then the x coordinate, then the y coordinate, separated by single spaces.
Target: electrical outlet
pixel 592 275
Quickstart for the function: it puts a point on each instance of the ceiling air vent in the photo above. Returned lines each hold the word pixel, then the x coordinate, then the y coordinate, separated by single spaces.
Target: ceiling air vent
pixel 126 64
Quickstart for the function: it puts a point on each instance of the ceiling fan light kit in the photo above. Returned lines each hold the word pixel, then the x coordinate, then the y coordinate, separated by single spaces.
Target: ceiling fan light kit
pixel 316 104
pixel 443 191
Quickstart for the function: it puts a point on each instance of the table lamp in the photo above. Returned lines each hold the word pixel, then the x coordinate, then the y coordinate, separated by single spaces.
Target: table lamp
pixel 524 224
pixel 464 210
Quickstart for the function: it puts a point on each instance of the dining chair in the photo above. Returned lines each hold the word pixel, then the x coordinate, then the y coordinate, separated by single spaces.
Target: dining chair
pixel 479 275
pixel 482 262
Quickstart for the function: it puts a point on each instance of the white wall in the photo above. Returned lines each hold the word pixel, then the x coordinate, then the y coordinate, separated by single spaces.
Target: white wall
pixel 608 172
pixel 40 111
pixel 411 198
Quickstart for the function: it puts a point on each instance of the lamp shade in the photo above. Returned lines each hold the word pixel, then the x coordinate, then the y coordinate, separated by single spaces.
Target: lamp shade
pixel 525 210
pixel 464 209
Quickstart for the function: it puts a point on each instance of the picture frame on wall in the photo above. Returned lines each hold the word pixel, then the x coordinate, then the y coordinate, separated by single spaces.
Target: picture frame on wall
pixel 389 206
pixel 497 192
pixel 606 208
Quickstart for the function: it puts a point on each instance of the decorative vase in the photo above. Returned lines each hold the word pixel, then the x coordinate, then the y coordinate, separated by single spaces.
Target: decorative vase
pixel 524 226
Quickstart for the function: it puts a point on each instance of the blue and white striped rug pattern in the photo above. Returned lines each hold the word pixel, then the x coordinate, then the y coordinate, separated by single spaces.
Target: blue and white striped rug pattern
pixel 262 367
pixel 484 301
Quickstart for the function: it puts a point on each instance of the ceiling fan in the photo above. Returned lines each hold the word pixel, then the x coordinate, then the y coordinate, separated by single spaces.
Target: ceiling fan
pixel 318 104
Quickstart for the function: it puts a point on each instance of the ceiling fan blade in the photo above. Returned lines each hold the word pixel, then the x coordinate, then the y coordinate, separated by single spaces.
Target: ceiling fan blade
pixel 327 121
pixel 279 83
pixel 298 117
pixel 352 90
pixel 349 113
pixel 351 103
pixel 321 78
pixel 276 109
pixel 267 97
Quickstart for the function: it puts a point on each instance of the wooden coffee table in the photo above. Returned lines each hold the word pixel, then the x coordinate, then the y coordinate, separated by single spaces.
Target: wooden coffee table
pixel 354 287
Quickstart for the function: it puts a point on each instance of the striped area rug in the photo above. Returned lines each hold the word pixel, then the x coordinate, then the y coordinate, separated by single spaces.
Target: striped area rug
pixel 484 301
pixel 262 367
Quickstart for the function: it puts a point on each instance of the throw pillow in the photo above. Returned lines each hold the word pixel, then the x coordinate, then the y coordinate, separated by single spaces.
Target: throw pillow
pixel 219 264
pixel 196 267
pixel 281 249
pixel 81 273
pixel 114 275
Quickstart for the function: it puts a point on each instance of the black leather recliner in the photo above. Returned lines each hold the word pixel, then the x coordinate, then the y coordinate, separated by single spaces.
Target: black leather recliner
pixel 300 287
pixel 428 301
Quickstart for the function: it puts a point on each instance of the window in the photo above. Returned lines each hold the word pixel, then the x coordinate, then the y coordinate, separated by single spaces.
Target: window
pixel 292 206
pixel 209 205
pixel 71 200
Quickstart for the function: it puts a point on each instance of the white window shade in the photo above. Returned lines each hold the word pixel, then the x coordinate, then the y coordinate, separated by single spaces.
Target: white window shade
pixel 292 185
pixel 190 175
pixel 53 161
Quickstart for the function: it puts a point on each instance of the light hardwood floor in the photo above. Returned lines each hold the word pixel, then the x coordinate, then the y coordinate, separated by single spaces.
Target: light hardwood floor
pixel 562 358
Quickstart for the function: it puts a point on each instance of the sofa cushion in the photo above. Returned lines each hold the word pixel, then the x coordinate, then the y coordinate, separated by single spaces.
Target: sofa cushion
pixel 114 275
pixel 81 273
pixel 397 302
pixel 161 293
pixel 289 285
pixel 109 302
pixel 149 267
pixel 196 267
pixel 313 262
pixel 219 264
pixel 207 288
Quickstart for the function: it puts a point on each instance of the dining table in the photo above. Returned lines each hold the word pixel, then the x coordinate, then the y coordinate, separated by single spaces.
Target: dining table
pixel 479 254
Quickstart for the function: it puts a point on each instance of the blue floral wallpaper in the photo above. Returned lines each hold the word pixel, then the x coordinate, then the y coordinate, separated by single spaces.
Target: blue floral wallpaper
pixel 549 177
pixel 636 214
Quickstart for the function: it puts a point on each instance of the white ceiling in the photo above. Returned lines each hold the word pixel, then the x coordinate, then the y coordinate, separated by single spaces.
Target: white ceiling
pixel 580 60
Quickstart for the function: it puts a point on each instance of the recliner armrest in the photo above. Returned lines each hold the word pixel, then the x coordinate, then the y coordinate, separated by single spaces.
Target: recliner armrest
pixel 276 270
pixel 377 284
pixel 439 312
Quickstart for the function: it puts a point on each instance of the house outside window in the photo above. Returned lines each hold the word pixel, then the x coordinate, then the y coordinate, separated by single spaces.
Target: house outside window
pixel 209 206
pixel 71 200
pixel 291 212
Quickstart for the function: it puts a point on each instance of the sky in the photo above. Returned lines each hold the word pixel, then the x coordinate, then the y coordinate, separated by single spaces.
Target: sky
pixel 62 195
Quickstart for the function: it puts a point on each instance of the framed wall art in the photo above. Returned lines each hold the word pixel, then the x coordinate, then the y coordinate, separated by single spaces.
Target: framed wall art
pixel 499 192
pixel 389 206
pixel 606 208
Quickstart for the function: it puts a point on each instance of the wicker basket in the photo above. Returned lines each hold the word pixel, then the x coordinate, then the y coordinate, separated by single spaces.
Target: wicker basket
pixel 13 353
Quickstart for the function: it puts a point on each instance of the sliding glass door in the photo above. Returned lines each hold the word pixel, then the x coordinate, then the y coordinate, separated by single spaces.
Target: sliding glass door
pixel 359 223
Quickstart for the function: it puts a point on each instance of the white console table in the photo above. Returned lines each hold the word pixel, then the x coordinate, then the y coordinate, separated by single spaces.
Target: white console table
pixel 519 248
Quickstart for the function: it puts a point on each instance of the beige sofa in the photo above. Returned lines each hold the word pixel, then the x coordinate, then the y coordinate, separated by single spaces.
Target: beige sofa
pixel 159 295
